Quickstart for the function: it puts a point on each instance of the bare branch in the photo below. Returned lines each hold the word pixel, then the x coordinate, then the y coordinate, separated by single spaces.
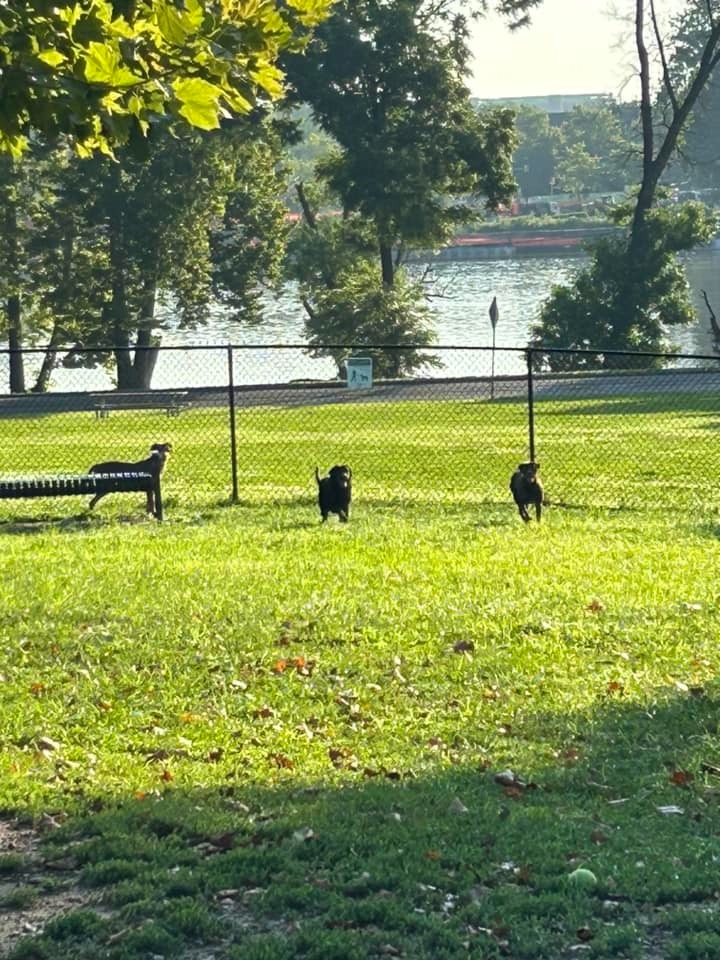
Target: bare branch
pixel 307 210
pixel 670 90
pixel 645 98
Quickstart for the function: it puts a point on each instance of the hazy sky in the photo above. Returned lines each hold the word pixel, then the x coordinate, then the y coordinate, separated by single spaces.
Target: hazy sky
pixel 571 46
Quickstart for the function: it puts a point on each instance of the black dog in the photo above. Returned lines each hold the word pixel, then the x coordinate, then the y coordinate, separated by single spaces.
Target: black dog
pixel 335 492
pixel 527 489
pixel 154 465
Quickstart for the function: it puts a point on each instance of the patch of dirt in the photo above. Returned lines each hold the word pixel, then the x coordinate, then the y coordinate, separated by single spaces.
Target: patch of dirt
pixel 53 888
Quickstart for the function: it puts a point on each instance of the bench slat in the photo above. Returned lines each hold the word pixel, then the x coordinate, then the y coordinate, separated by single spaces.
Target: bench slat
pixel 172 401
pixel 81 485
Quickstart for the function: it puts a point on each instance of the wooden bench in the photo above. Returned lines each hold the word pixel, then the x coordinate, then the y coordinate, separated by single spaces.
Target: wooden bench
pixel 171 401
pixel 83 486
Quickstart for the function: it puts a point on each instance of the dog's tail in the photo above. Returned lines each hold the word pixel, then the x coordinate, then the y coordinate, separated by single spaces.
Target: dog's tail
pixel 317 475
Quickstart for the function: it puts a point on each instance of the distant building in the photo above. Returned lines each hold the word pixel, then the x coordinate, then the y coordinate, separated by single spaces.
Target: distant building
pixel 554 104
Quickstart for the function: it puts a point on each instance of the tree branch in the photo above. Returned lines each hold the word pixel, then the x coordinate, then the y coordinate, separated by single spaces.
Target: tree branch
pixel 663 59
pixel 307 210
pixel 645 99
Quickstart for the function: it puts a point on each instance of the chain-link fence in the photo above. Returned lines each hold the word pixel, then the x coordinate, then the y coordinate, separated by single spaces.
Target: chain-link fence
pixel 249 424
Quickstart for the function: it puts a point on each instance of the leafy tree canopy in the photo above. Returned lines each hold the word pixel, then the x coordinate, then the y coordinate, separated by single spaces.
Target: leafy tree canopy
pixel 386 82
pixel 618 304
pixel 103 70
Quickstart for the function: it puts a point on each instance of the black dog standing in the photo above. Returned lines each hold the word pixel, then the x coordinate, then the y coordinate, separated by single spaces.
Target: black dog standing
pixel 154 465
pixel 527 489
pixel 335 492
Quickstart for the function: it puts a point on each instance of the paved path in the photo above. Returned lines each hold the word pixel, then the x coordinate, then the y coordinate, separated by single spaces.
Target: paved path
pixel 314 393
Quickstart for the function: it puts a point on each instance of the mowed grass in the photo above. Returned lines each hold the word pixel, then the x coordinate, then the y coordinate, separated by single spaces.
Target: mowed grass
pixel 263 737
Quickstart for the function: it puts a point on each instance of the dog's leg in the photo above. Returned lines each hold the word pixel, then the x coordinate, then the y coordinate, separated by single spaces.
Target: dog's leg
pixel 98 496
pixel 343 516
pixel 538 510
pixel 523 512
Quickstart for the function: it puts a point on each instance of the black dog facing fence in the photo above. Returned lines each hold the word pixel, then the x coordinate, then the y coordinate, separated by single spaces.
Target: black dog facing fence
pixel 249 423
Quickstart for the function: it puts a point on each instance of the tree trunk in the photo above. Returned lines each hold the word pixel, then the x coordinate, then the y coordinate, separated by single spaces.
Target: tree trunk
pixel 147 345
pixel 48 364
pixel 654 165
pixel 15 343
pixel 63 296
pixel 13 308
pixel 387 265
pixel 116 311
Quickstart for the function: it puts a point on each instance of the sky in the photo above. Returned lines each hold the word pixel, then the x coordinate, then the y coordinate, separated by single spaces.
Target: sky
pixel 571 46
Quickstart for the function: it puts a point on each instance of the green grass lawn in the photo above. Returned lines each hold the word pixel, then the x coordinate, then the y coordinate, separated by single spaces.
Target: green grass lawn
pixel 244 734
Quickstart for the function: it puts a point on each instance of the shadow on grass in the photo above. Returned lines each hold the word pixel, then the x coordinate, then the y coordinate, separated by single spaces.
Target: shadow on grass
pixel 68 524
pixel 653 404
pixel 470 858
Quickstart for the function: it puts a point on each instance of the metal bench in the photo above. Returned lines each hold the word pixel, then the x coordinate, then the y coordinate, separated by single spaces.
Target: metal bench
pixel 83 486
pixel 171 401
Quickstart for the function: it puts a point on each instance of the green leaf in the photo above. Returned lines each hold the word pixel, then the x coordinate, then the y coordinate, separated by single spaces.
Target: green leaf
pixel 199 102
pixel 52 57
pixel 103 65
pixel 101 62
pixel 173 25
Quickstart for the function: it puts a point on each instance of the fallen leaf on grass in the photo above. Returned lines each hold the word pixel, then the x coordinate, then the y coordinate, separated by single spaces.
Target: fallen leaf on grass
pixel 670 809
pixel 681 778
pixel 595 606
pixel 262 713
pixel 507 778
pixel 343 758
pixel 457 807
pixel 281 761
pixel 463 646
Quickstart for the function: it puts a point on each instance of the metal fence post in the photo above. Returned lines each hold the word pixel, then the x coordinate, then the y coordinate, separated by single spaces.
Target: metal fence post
pixel 233 434
pixel 531 404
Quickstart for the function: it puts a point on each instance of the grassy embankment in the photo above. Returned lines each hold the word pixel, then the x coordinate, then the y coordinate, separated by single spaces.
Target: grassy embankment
pixel 264 738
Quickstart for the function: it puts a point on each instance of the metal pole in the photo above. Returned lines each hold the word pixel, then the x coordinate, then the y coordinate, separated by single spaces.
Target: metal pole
pixel 531 405
pixel 233 434
pixel 494 317
pixel 492 368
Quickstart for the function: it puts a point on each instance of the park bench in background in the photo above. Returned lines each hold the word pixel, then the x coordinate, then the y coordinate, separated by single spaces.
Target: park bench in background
pixel 171 401
pixel 81 486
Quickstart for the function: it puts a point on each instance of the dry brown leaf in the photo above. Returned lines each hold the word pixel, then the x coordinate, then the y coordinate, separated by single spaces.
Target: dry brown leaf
pixel 681 778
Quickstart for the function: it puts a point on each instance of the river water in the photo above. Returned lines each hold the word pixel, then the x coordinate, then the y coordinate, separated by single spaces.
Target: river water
pixel 462 293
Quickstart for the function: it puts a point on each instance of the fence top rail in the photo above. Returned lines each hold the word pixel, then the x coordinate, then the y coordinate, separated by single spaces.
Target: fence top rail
pixel 228 347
